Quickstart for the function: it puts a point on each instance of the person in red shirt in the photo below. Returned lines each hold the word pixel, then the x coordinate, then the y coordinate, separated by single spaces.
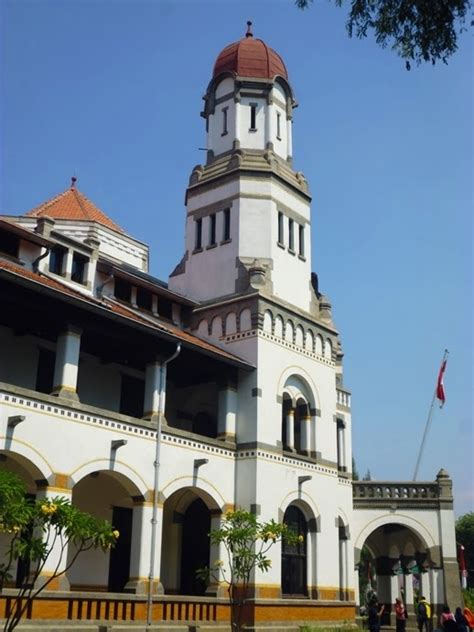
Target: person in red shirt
pixel 400 615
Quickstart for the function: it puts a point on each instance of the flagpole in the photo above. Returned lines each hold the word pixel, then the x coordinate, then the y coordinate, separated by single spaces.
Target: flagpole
pixel 428 422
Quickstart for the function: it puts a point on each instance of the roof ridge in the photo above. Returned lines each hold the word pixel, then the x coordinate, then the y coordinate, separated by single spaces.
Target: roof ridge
pixel 78 195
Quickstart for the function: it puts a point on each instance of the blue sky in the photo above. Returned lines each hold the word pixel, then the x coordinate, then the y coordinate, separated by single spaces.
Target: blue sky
pixel 111 91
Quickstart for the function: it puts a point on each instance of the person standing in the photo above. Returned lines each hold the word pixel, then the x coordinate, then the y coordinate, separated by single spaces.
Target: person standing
pixel 461 621
pixel 400 615
pixel 375 614
pixel 447 620
pixel 423 615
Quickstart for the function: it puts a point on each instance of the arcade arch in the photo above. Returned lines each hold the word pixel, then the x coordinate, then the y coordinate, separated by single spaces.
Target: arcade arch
pixel 188 514
pixel 394 560
pixel 108 495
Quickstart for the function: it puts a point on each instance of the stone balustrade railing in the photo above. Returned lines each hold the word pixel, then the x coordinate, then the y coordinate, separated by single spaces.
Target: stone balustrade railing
pixel 343 397
pixel 382 490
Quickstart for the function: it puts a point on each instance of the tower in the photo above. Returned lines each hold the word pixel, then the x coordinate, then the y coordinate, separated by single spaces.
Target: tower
pixel 248 212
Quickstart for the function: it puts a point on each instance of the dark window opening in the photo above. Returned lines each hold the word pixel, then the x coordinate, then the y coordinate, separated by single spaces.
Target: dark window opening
pixel 280 228
pixel 224 121
pixel 291 235
pixel 144 299
pixel 195 549
pixel 78 268
pixel 253 117
pixel 205 425
pixel 45 371
pixel 198 239
pixel 119 565
pixel 132 396
pixel 285 409
pixel 212 229
pixel 278 126
pixel 301 240
pixel 165 308
pixel 123 290
pixel 226 230
pixel 9 244
pixel 56 260
pixel 339 440
pixel 293 557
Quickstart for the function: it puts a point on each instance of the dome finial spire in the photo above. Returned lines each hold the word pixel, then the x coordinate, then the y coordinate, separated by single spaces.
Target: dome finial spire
pixel 249 29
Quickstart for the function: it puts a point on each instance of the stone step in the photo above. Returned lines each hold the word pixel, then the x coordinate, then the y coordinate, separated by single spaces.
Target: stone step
pixel 140 626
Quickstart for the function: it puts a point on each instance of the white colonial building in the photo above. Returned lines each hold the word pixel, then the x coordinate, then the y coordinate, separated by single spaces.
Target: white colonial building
pixel 257 414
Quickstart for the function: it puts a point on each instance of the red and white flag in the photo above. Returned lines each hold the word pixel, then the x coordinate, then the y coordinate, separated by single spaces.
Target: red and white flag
pixel 440 394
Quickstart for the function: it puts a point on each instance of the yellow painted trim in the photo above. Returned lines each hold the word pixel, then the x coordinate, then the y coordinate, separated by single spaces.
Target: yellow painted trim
pixel 64 387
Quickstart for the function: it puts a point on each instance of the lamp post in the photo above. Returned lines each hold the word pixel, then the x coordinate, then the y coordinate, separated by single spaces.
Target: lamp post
pixel 156 464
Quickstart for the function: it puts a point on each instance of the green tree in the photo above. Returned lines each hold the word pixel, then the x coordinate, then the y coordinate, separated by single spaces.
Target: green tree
pixel 37 527
pixel 418 30
pixel 247 542
pixel 355 473
pixel 465 536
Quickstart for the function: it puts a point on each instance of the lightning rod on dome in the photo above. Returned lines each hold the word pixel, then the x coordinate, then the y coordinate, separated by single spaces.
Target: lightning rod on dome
pixel 249 29
pixel 73 182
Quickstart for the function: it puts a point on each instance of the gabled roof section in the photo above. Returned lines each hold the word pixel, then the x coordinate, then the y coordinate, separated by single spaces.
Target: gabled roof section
pixel 73 205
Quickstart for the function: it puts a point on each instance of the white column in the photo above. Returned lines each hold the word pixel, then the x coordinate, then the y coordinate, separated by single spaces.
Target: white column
pixel 152 390
pixel 290 429
pixel 269 113
pixel 313 437
pixel 306 434
pixel 436 593
pixel 394 588
pixel 356 587
pixel 238 109
pixel 425 588
pixel 57 560
pixel 227 413
pixel 133 296
pixel 218 559
pixel 290 137
pixel 140 549
pixel 339 446
pixel 68 270
pixel 67 363
pixel 343 447
pixel 408 585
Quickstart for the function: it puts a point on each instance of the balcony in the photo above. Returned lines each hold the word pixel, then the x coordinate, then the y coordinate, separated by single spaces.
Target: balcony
pixel 343 398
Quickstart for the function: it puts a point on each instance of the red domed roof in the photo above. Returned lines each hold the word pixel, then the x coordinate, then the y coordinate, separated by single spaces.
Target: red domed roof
pixel 250 57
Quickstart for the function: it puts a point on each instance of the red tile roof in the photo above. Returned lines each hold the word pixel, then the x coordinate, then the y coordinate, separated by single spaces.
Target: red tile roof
pixel 72 204
pixel 250 57
pixel 120 310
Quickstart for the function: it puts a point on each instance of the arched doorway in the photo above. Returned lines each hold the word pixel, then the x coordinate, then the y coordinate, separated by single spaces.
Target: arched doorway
pixel 107 495
pixel 195 548
pixel 395 562
pixel 185 546
pixel 294 556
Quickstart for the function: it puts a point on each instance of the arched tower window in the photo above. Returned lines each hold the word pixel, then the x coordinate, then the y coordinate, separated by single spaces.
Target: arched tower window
pixel 287 433
pixel 294 556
